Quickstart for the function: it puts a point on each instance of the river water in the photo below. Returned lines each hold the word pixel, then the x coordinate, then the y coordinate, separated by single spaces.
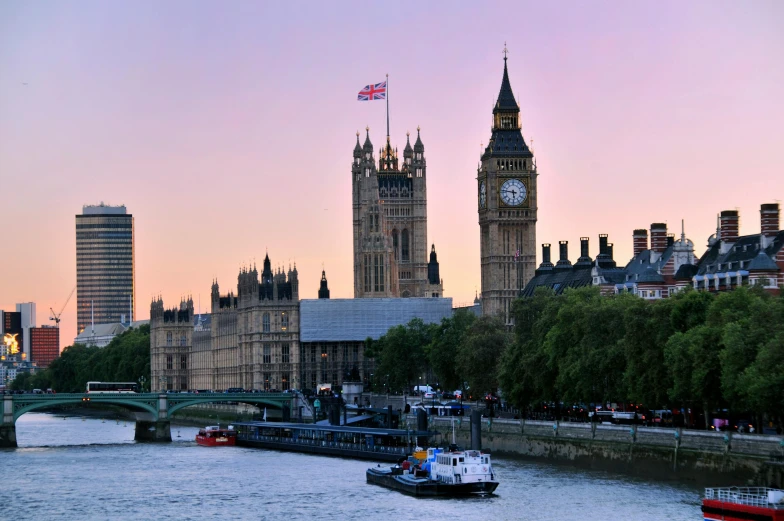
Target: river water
pixel 75 468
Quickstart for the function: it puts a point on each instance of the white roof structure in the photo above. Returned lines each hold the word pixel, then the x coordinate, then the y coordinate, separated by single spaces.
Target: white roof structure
pixel 341 320
pixel 102 334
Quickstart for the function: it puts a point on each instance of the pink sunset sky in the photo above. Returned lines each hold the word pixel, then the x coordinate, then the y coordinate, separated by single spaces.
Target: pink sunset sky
pixel 227 128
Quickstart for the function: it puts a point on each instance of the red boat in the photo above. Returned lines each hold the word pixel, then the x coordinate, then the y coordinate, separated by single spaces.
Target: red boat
pixel 214 436
pixel 743 504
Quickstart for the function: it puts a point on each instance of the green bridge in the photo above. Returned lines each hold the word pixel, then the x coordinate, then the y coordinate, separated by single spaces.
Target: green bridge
pixel 152 410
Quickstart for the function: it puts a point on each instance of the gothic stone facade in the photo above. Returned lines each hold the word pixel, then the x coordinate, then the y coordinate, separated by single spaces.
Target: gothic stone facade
pixel 253 337
pixel 390 223
pixel 506 200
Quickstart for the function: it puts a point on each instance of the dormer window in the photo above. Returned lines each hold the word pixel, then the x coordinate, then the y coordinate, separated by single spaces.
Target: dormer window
pixel 367 172
pixel 419 156
pixel 367 155
pixel 419 172
pixel 356 161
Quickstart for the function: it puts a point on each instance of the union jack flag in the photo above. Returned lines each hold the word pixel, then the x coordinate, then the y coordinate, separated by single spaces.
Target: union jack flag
pixel 371 92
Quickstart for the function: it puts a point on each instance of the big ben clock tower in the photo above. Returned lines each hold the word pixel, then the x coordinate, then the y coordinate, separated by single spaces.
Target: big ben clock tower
pixel 506 202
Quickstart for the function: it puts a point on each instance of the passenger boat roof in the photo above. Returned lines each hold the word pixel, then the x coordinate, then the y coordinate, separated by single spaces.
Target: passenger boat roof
pixel 335 428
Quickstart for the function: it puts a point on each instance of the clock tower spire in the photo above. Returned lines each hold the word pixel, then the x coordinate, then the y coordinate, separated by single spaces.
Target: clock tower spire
pixel 506 201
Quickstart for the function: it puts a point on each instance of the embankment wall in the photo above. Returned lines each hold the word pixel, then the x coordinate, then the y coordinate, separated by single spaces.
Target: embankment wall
pixel 709 458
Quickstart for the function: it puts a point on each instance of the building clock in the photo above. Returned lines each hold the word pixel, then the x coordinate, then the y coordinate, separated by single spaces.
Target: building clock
pixel 482 194
pixel 513 192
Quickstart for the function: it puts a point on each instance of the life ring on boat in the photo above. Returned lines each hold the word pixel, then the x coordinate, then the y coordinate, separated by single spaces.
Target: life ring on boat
pixel 484 469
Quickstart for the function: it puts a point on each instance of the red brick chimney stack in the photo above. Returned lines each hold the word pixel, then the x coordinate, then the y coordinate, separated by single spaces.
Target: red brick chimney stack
pixel 640 241
pixel 729 225
pixel 769 219
pixel 658 237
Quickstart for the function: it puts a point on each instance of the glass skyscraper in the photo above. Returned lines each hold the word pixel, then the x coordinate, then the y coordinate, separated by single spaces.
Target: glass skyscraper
pixel 105 275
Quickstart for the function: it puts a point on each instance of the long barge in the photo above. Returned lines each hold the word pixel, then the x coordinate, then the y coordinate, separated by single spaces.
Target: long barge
pixel 365 443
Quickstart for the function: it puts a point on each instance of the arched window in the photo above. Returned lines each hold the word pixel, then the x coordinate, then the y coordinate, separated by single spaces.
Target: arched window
pixel 168 338
pixel 404 245
pixel 265 323
pixel 395 244
pixel 284 321
pixel 182 339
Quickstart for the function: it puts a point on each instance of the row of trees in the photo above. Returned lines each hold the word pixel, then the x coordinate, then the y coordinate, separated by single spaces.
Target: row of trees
pixel 460 352
pixel 695 350
pixel 125 359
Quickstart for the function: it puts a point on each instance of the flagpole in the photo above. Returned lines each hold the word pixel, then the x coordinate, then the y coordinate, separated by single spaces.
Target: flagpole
pixel 387 96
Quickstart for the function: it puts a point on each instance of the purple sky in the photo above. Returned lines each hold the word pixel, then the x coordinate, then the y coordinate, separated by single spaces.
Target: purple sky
pixel 227 128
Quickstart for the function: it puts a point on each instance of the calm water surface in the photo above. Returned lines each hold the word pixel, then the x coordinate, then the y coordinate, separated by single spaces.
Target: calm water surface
pixel 73 469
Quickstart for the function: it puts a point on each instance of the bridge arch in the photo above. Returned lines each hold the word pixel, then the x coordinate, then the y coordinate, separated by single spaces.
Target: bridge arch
pixel 177 404
pixel 136 403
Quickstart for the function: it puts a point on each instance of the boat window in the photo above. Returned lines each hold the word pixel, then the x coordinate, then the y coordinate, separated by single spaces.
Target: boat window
pixel 454 463
pixel 462 460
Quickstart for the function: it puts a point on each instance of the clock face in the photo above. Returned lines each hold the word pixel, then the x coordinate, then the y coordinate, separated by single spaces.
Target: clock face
pixel 482 195
pixel 513 192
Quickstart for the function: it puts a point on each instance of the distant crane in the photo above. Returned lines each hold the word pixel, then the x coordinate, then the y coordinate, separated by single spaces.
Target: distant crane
pixel 56 316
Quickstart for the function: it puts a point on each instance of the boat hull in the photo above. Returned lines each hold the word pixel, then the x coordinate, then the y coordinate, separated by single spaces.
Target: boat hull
pixel 221 441
pixel 713 510
pixel 423 487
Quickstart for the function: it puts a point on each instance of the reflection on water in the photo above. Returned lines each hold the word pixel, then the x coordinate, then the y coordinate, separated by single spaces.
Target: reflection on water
pixel 91 468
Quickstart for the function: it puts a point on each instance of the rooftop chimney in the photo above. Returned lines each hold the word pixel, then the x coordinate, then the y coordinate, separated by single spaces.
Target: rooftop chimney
pixel 670 239
pixel 640 241
pixel 563 247
pixel 658 237
pixel 602 244
pixel 546 265
pixel 604 259
pixel 729 225
pixel 769 219
pixel 585 259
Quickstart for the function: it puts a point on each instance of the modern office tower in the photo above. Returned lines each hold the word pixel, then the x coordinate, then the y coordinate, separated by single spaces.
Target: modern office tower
pixel 44 345
pixel 105 276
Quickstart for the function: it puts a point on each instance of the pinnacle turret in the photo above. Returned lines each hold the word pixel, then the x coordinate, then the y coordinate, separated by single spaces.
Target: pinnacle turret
pixel 419 146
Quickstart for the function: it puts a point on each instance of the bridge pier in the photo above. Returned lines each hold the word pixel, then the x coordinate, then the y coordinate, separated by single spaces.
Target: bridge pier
pixel 8 427
pixel 156 431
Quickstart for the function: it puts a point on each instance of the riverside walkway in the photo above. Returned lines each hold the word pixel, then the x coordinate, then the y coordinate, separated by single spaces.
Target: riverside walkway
pixel 152 409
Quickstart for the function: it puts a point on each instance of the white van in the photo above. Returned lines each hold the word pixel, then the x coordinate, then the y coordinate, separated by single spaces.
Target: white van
pixel 423 389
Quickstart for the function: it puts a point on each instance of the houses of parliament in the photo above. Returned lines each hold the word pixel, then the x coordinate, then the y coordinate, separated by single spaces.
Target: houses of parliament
pixel 263 336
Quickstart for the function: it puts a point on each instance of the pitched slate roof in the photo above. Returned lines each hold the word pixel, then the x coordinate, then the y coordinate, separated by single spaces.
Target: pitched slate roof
pixel 762 263
pixel 650 275
pixel 642 261
pixel 559 280
pixel 686 271
pixel 745 249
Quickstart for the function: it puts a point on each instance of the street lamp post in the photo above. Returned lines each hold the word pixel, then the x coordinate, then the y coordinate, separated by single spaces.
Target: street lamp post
pixel 142 380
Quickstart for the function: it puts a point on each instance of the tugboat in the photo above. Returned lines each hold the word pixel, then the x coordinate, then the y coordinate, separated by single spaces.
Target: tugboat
pixel 742 503
pixel 214 436
pixel 450 473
